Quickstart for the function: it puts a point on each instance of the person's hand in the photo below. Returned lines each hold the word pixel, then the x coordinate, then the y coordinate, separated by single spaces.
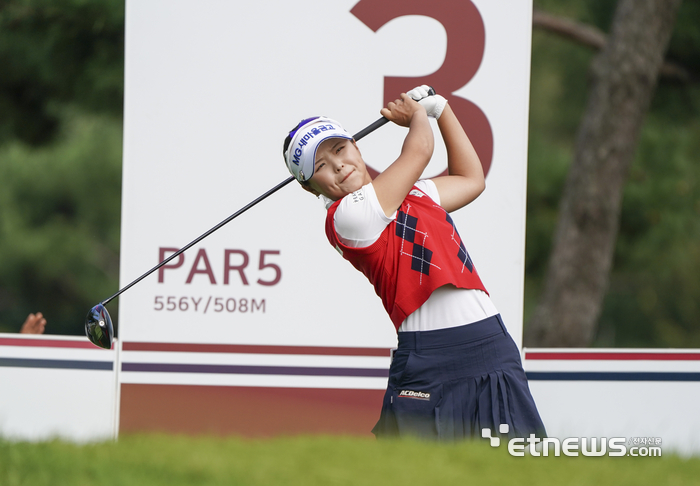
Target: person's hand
pixel 401 111
pixel 433 103
pixel 34 324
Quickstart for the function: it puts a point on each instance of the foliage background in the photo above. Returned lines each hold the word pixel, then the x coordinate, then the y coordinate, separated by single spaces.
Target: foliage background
pixel 61 98
pixel 654 294
pixel 61 92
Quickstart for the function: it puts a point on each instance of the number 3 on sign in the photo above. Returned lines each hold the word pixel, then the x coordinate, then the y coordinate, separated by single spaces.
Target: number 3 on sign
pixel 465 50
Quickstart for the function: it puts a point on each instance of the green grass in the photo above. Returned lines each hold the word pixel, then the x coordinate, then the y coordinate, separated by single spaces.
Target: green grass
pixel 324 460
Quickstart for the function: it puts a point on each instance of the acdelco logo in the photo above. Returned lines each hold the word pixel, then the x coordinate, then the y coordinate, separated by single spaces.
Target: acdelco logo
pixel 414 394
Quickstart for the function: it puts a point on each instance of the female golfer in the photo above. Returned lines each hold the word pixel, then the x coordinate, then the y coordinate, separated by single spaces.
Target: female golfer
pixel 456 369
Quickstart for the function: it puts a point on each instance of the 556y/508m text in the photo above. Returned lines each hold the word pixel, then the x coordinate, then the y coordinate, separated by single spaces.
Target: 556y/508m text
pixel 171 303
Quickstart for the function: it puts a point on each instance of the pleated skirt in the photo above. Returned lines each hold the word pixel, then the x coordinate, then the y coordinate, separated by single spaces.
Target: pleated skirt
pixel 449 384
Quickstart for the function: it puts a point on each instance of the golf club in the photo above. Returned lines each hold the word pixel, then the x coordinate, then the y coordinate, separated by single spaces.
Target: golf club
pixel 98 323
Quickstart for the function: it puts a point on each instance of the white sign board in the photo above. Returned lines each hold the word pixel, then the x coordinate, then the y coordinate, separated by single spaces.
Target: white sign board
pixel 213 87
pixel 57 387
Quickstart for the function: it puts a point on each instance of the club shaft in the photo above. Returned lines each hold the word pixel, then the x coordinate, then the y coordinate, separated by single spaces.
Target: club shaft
pixel 201 237
pixel 362 133
pixel 369 129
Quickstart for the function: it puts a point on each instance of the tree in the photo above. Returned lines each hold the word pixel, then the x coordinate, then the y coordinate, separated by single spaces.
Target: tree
pixel 57 52
pixel 623 79
pixel 61 98
pixel 59 224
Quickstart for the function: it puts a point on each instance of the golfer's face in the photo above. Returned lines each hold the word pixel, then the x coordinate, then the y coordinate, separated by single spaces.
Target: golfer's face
pixel 339 169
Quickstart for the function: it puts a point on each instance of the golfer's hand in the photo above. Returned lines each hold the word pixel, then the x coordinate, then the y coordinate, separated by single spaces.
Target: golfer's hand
pixel 34 324
pixel 402 110
pixel 434 104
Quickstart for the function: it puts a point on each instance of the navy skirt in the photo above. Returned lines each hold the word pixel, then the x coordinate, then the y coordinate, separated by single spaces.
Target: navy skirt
pixel 448 384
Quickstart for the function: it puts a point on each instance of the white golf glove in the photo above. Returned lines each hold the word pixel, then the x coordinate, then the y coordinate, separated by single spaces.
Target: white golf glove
pixel 433 103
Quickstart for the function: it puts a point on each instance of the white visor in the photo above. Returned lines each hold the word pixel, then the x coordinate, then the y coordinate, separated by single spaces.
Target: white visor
pixel 301 153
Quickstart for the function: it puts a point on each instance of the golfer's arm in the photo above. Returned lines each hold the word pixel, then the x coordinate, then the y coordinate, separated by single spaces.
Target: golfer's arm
pixel 392 185
pixel 465 179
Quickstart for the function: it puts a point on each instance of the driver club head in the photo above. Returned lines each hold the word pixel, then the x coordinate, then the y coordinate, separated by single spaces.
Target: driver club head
pixel 98 327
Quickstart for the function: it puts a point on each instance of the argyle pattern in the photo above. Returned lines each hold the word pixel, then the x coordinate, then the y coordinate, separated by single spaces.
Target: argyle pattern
pixel 414 242
pixel 462 253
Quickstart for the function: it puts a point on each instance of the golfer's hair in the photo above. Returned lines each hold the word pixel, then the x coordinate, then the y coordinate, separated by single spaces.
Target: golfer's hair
pixel 287 141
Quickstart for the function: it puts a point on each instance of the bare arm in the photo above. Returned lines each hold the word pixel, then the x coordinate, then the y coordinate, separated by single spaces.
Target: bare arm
pixel 466 176
pixel 392 185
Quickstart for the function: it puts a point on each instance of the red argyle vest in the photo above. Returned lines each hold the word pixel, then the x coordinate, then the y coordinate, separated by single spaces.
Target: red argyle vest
pixel 416 253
